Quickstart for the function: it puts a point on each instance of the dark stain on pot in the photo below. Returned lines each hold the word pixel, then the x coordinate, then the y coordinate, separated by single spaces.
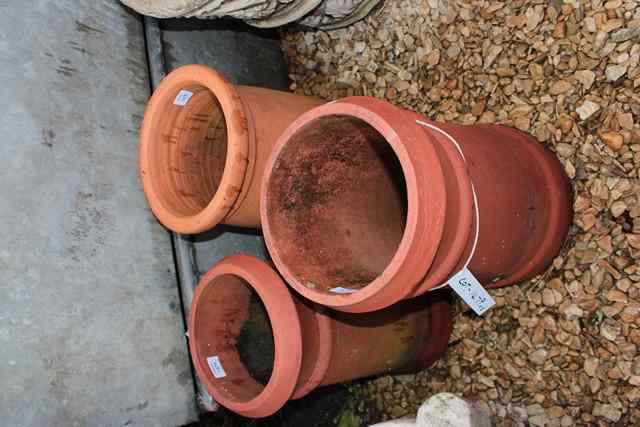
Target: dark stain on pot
pixel 353 277
pixel 318 174
pixel 401 325
pixel 255 344
pixel 241 122
pixel 337 200
pixel 407 339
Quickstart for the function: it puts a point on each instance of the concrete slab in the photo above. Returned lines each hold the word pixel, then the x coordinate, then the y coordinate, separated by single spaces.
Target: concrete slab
pixel 91 332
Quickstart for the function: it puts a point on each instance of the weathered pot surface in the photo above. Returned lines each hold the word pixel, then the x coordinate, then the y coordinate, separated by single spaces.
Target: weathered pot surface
pixel 256 345
pixel 203 146
pixel 364 204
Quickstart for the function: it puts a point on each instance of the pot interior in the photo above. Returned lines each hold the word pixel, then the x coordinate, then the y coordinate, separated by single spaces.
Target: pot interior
pixel 234 340
pixel 336 204
pixel 189 150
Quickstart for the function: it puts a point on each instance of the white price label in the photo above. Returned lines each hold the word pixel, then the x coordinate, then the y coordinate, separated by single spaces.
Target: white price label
pixel 340 290
pixel 183 97
pixel 216 367
pixel 471 291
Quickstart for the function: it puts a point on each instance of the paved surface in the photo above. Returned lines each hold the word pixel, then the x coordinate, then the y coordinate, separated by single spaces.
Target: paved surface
pixel 91 332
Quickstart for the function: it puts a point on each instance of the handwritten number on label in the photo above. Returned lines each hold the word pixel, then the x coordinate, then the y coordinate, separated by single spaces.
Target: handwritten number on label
pixel 471 291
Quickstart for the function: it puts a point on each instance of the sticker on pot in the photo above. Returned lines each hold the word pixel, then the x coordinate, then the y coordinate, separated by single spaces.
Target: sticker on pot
pixel 341 290
pixel 182 98
pixel 216 367
pixel 471 291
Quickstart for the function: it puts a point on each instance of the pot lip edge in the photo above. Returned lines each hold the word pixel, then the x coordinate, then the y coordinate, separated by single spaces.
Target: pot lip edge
pixel 237 142
pixel 465 195
pixel 560 214
pixel 325 350
pixel 358 301
pixel 288 344
pixel 440 316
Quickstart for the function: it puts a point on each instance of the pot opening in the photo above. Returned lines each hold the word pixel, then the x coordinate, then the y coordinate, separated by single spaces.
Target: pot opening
pixel 190 153
pixel 234 340
pixel 337 204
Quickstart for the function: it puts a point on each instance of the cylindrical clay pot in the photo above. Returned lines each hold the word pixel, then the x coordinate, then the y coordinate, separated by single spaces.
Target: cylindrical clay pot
pixel 362 206
pixel 255 344
pixel 203 146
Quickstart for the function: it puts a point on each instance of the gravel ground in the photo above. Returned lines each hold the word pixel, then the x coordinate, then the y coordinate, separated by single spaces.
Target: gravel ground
pixel 562 348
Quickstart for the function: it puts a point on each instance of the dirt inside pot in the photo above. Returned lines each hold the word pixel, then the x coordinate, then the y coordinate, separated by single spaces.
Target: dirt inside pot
pixel 337 203
pixel 255 343
pixel 191 151
pixel 234 338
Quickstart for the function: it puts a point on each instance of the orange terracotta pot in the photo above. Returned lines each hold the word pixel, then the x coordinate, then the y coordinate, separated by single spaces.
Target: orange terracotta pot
pixel 203 146
pixel 311 346
pixel 363 206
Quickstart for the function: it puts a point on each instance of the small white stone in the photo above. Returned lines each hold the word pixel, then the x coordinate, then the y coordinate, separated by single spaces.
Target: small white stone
pixel 591 365
pixel 585 77
pixel 624 34
pixel 607 411
pixel 572 311
pixel 445 409
pixel 587 109
pixel 539 420
pixel 614 72
pixel 539 356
